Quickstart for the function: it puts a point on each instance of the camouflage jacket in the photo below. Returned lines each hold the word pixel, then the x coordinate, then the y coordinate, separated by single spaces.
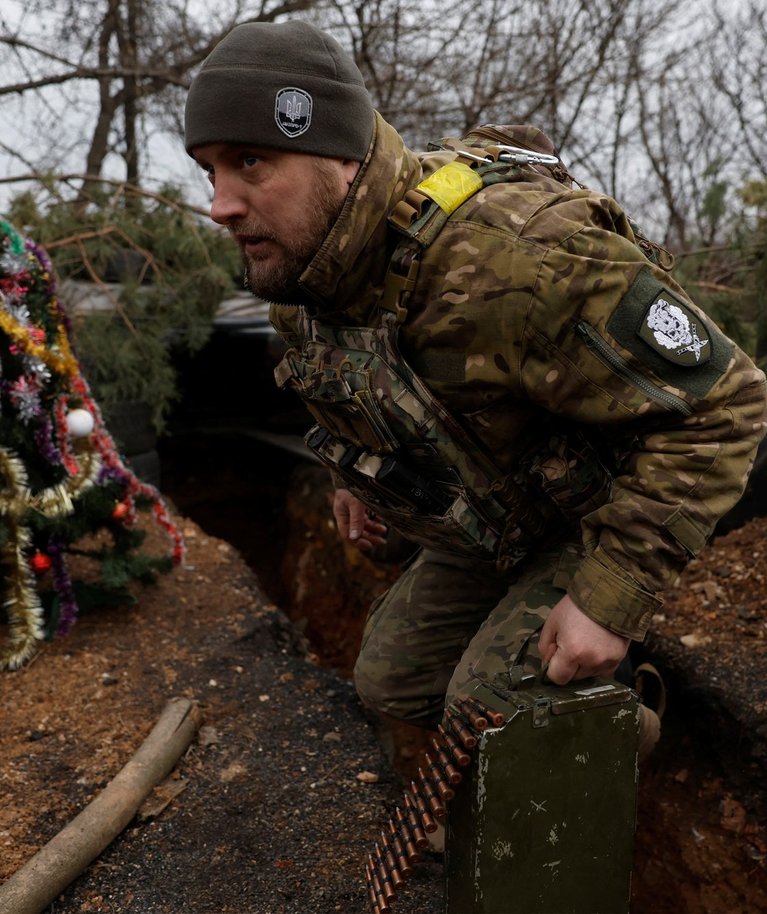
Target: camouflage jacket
pixel 536 310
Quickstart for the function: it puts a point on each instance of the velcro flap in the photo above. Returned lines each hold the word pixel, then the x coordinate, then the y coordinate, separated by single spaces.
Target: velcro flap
pixel 451 185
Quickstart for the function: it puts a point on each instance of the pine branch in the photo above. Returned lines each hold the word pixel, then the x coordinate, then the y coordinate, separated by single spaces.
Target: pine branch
pixel 66 178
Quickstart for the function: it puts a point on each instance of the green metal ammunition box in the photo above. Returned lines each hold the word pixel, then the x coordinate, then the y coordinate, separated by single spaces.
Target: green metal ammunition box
pixel 544 820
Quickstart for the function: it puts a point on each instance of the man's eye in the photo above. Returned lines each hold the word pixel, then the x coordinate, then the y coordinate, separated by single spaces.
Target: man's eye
pixel 249 161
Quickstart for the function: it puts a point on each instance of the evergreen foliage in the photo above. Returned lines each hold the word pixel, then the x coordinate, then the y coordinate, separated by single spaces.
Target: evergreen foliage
pixel 156 270
pixel 729 280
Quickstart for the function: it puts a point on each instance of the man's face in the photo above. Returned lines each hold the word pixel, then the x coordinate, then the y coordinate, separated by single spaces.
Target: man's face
pixel 279 207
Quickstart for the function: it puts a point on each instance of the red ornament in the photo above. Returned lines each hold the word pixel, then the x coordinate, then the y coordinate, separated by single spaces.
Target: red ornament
pixel 120 510
pixel 40 562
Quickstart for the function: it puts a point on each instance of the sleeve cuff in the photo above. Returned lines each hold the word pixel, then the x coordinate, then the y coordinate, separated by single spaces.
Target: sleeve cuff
pixel 611 597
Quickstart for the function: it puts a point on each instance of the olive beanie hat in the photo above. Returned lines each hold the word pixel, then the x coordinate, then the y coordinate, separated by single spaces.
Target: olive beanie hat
pixel 281 85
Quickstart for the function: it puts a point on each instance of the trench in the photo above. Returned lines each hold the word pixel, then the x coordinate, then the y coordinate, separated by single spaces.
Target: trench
pixel 234 488
pixel 273 507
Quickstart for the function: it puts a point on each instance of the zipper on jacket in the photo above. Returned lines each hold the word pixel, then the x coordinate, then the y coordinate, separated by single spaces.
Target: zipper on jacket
pixel 608 355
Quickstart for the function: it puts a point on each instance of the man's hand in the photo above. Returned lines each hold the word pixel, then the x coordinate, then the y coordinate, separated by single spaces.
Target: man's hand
pixel 355 524
pixel 576 647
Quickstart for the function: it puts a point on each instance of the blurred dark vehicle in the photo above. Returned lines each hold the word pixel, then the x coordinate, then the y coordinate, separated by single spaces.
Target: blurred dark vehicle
pixel 228 387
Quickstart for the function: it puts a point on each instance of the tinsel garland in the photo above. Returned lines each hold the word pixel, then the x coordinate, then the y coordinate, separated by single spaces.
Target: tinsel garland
pixel 63 584
pixel 41 387
pixel 22 603
pixel 63 364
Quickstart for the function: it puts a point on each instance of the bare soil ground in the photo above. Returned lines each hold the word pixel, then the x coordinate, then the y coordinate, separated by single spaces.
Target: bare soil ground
pixel 273 811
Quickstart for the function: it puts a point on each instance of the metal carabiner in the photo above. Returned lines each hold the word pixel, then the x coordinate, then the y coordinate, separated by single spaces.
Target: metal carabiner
pixel 462 153
pixel 514 154
pixel 525 156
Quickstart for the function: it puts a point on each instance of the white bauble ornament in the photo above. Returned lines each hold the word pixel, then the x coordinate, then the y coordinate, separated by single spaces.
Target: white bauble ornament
pixel 79 423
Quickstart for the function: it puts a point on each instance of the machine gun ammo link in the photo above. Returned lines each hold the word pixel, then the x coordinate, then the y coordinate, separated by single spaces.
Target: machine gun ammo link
pixel 411 845
pixel 477 720
pixel 426 800
pixel 428 792
pixel 461 730
pixel 414 821
pixel 374 906
pixel 452 774
pixel 446 793
pixel 459 754
pixel 392 864
pixel 420 802
pixel 404 860
pixel 384 877
pixel 495 717
pixel 378 902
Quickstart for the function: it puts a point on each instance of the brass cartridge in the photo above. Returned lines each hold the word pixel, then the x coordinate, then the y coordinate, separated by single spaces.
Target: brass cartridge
pixel 391 864
pixel 419 802
pixel 375 909
pixel 451 773
pixel 428 793
pixel 476 720
pixel 414 820
pixel 380 901
pixel 404 861
pixel 495 717
pixel 412 842
pixel 446 793
pixel 458 726
pixel 463 758
pixel 383 875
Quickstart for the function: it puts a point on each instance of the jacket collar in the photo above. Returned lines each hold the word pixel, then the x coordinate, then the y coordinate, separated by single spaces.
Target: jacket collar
pixel 345 279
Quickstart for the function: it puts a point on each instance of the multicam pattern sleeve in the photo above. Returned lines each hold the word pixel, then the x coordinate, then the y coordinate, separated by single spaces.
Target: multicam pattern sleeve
pixel 534 308
pixel 609 341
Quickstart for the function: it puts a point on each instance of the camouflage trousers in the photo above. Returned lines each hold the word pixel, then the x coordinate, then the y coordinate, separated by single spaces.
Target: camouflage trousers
pixel 448 621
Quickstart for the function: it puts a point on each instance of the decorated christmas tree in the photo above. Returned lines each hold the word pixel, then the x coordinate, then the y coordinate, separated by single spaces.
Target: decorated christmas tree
pixel 64 489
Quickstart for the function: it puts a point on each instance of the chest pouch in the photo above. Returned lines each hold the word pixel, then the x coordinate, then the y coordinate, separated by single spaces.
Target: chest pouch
pixel 340 396
pixel 394 446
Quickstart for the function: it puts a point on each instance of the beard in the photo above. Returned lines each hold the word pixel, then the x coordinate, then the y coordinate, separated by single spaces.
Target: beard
pixel 275 279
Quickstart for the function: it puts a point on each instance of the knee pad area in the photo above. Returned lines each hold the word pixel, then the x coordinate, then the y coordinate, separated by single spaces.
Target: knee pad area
pixel 393 696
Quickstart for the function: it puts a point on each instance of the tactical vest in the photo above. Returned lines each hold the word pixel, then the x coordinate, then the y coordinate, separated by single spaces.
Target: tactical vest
pixel 389 440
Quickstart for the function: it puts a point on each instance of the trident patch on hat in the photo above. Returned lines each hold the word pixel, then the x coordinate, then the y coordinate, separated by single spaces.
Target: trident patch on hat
pixel 673 331
pixel 293 111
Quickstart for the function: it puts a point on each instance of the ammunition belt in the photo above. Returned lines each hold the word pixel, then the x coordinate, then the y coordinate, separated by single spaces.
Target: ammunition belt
pixel 391 862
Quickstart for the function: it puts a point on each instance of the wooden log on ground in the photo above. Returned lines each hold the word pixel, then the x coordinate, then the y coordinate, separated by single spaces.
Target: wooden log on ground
pixel 43 878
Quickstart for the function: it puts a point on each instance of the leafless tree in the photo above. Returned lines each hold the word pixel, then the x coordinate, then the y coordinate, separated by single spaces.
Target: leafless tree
pixel 700 118
pixel 574 68
pixel 738 72
pixel 430 69
pixel 127 53
pixel 658 102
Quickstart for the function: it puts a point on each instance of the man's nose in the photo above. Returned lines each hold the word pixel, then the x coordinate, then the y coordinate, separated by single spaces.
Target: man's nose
pixel 228 203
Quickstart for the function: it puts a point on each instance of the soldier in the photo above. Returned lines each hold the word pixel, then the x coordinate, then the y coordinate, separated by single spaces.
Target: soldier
pixel 499 364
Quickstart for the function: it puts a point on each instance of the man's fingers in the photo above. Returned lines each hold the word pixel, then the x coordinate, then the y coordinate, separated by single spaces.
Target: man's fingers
pixel 350 514
pixel 576 647
pixel 357 519
pixel 547 642
pixel 341 501
pixel 355 524
pixel 561 669
pixel 373 534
